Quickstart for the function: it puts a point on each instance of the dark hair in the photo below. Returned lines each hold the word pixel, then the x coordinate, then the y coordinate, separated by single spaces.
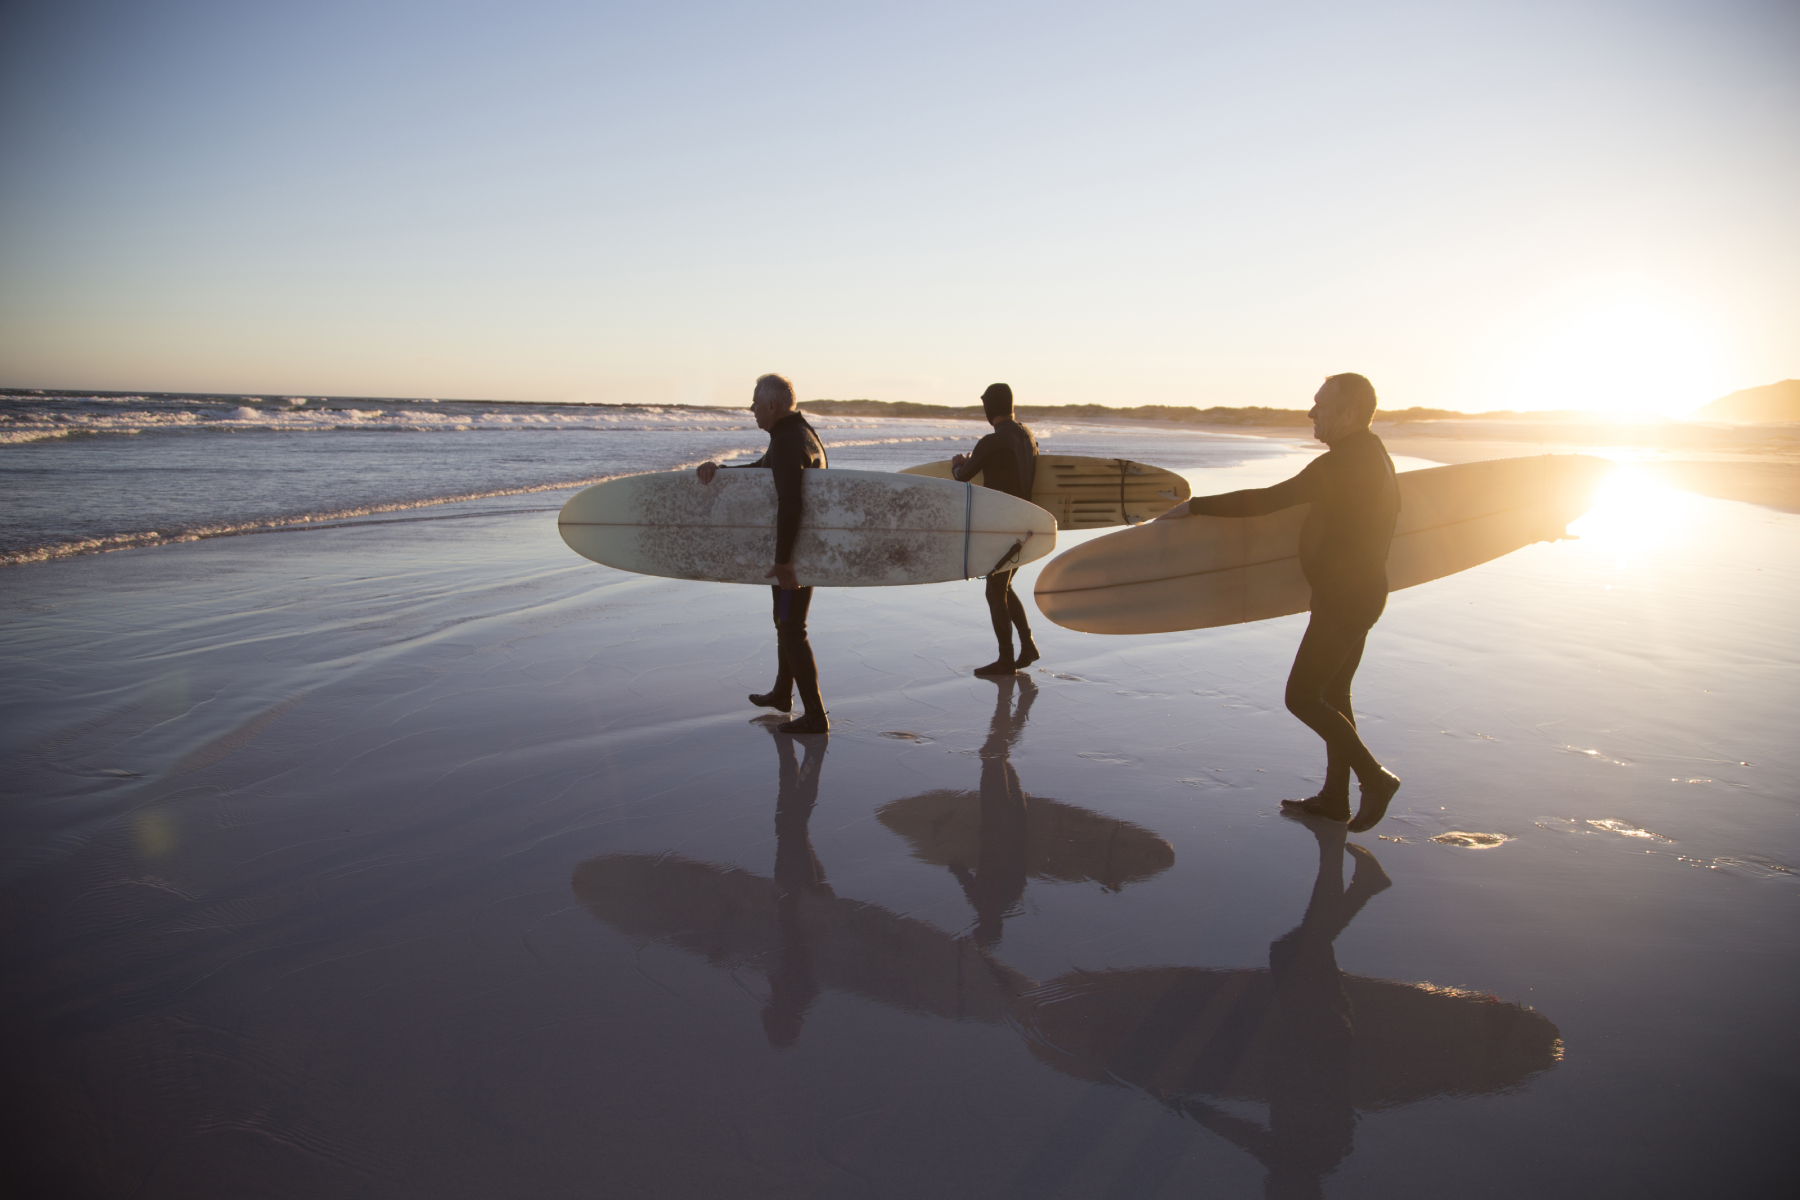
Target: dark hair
pixel 1358 391
pixel 779 386
pixel 997 401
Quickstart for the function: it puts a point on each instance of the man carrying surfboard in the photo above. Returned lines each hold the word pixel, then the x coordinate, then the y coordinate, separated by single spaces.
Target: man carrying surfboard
pixel 1007 461
pixel 1343 553
pixel 794 446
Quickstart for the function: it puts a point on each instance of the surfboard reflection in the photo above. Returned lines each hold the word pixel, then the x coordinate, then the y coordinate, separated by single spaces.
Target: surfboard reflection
pixel 1313 1044
pixel 996 839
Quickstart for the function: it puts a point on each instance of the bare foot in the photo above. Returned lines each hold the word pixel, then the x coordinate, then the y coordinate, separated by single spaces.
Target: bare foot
pixel 1000 666
pixel 1331 808
pixel 1377 791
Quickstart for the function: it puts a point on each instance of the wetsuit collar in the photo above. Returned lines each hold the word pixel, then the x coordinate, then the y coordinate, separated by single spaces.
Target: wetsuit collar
pixel 1365 431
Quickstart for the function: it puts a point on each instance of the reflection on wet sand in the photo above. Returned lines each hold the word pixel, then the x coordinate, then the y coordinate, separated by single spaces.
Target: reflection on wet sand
pixel 994 840
pixel 1315 1045
pixel 793 929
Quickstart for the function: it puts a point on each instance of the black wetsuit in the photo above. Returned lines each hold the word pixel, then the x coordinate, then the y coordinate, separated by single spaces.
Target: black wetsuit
pixel 1006 459
pixel 794 446
pixel 1343 552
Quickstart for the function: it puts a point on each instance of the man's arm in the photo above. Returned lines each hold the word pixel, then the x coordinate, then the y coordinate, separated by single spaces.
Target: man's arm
pixel 1303 488
pixel 707 470
pixel 965 467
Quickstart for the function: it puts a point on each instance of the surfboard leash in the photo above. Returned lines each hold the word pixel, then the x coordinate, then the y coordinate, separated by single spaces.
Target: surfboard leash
pixel 968 523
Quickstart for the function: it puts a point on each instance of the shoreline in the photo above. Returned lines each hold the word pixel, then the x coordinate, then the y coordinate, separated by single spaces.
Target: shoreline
pixel 1767 475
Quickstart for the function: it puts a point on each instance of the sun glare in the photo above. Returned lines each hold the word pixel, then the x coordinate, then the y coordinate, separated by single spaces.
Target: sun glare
pixel 1633 512
pixel 1629 359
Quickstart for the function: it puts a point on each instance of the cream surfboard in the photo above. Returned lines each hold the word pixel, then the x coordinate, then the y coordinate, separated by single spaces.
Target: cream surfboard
pixel 1058 842
pixel 858 528
pixel 1189 1032
pixel 1206 571
pixel 1091 493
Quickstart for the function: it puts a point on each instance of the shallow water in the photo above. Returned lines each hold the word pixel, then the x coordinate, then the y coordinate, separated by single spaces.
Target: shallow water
pixel 425 858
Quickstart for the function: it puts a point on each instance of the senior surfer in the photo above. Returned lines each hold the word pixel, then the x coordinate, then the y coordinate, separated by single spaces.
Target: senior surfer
pixel 1006 459
pixel 1343 553
pixel 794 446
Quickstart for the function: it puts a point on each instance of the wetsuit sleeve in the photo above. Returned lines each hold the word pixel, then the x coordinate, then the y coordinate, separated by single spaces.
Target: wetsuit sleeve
pixel 1305 488
pixel 984 449
pixel 787 460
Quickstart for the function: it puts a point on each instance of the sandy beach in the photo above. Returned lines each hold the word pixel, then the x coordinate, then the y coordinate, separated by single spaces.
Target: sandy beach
pixel 421 857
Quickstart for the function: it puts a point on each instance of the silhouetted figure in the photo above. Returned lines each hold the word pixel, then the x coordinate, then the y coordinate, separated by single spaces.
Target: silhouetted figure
pixel 996 883
pixel 1310 1026
pixel 798 873
pixel 997 838
pixel 1006 459
pixel 1343 552
pixel 794 447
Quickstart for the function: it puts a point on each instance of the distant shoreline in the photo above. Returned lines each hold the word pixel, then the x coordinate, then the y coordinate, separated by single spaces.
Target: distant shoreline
pixel 1259 416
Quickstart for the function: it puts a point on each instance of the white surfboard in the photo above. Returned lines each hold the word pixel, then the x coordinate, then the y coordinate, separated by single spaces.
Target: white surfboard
pixel 1206 571
pixel 857 528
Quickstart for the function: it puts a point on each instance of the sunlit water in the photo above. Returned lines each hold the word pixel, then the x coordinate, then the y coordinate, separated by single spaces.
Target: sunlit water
pixel 429 859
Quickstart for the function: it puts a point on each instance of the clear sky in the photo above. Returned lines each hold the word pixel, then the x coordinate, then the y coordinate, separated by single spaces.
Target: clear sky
pixel 1479 205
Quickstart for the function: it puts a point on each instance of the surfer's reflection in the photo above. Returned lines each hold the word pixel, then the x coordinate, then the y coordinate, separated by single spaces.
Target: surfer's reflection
pixel 1313 1044
pixel 996 839
pixel 798 873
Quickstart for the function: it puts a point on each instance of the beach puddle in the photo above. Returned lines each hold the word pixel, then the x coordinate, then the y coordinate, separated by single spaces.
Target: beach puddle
pixel 1745 866
pixel 1105 756
pixel 905 736
pixel 1627 830
pixel 1471 841
pixel 1597 756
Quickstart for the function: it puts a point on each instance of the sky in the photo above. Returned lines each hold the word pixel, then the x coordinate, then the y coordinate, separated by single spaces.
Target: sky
pixel 1524 205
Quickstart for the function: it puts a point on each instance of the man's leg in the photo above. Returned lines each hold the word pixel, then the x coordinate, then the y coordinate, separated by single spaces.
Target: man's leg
pixel 1331 639
pixel 781 696
pixel 797 660
pixel 1015 609
pixel 1337 694
pixel 1000 616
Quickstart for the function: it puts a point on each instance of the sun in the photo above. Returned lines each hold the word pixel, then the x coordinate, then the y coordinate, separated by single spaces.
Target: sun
pixel 1629 358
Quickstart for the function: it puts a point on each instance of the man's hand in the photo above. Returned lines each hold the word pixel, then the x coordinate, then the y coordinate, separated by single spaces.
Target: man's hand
pixel 706 471
pixel 956 464
pixel 1176 513
pixel 783 575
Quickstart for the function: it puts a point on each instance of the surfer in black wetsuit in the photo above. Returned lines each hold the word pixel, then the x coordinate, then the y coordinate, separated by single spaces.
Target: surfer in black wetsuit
pixel 794 446
pixel 1343 551
pixel 1006 459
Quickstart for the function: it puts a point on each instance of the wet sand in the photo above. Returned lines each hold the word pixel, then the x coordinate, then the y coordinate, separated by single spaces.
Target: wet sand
pixel 427 859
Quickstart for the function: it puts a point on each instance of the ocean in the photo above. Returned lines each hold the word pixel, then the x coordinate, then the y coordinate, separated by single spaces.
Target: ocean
pixel 91 473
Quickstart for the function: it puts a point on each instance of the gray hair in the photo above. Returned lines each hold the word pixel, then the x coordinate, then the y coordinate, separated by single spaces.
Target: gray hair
pixel 778 389
pixel 1357 393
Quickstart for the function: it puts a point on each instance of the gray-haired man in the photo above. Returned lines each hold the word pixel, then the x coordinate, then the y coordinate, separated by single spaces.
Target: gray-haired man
pixel 794 446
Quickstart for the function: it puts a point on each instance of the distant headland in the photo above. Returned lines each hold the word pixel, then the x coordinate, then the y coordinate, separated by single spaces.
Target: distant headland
pixel 1756 406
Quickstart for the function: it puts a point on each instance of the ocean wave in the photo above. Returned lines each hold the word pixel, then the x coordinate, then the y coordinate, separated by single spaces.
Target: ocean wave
pixel 23 421
pixel 72 547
